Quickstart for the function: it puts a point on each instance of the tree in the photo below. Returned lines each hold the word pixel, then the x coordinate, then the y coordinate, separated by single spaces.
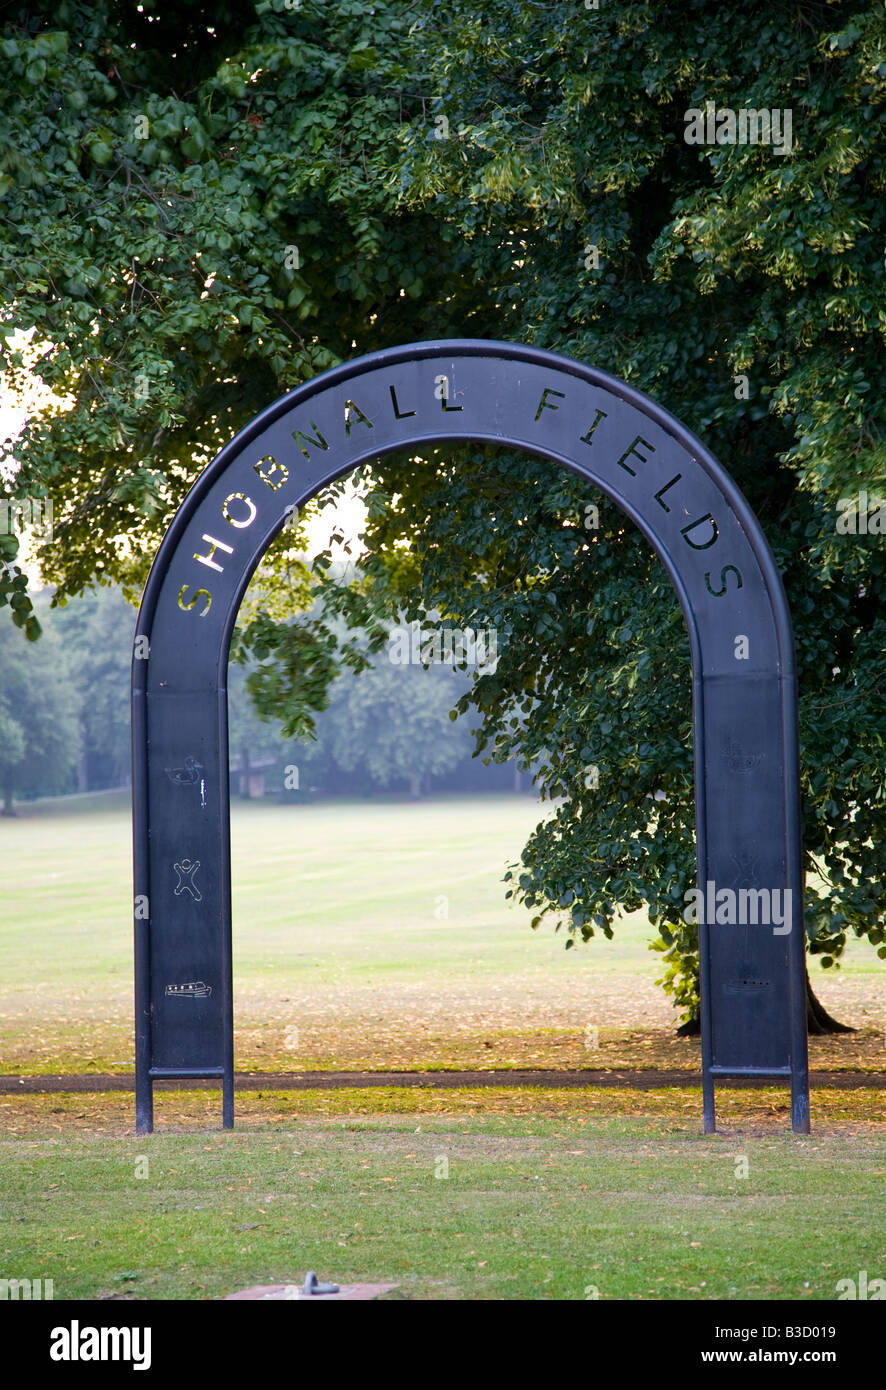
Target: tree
pixel 393 723
pixel 743 286
pixel 199 212
pixel 39 732
pixel 96 633
pixel 317 182
pixel 250 738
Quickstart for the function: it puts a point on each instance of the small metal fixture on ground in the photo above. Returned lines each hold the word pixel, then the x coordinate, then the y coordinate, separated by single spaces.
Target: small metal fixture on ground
pixel 311 1289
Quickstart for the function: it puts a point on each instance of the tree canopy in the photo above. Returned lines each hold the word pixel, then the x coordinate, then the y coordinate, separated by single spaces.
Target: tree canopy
pixel 201 209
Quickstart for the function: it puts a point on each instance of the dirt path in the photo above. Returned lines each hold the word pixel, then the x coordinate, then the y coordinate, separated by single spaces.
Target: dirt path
pixel 332 1081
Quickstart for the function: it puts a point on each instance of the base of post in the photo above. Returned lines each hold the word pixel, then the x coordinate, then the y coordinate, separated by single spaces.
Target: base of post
pixel 800 1121
pixel 707 1094
pixel 144 1110
pixel 228 1102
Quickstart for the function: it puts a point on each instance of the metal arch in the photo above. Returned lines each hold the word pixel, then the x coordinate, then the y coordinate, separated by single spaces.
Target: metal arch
pixel 744 681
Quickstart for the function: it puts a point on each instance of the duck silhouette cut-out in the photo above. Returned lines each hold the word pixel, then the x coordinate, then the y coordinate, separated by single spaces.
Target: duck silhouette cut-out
pixel 186 776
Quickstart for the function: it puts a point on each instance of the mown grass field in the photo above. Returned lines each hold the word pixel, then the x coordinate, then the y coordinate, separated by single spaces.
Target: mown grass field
pixel 346 957
pixel 370 935
pixel 473 1195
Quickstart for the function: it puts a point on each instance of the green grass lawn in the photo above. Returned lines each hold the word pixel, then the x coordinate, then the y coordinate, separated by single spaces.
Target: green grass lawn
pixel 377 935
pixel 358 927
pixel 473 1205
pixel 370 934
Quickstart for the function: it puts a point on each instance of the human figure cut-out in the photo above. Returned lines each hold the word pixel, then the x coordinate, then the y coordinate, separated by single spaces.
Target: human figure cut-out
pixel 186 870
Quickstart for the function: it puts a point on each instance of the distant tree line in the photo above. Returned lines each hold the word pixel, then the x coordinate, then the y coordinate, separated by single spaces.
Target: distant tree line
pixel 64 719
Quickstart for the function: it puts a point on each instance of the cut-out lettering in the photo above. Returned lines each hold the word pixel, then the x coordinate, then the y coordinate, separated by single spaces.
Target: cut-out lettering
pixel 200 593
pixel 210 560
pixel 398 413
pixel 354 416
pixel 545 404
pixel 247 502
pixel 700 545
pixel 587 437
pixel 271 472
pixel 662 490
pixel 632 452
pixel 719 593
pixel 302 439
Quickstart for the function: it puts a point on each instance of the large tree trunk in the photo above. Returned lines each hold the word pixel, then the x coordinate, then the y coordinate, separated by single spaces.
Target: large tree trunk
pixel 818 1020
pixel 8 808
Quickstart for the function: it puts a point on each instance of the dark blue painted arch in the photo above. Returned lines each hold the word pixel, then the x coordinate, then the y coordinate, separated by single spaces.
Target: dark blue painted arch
pixel 744 681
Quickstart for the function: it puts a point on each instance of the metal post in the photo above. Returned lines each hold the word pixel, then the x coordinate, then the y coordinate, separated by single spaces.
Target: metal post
pixel 800 1118
pixel 707 1080
pixel 227 951
pixel 144 1086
